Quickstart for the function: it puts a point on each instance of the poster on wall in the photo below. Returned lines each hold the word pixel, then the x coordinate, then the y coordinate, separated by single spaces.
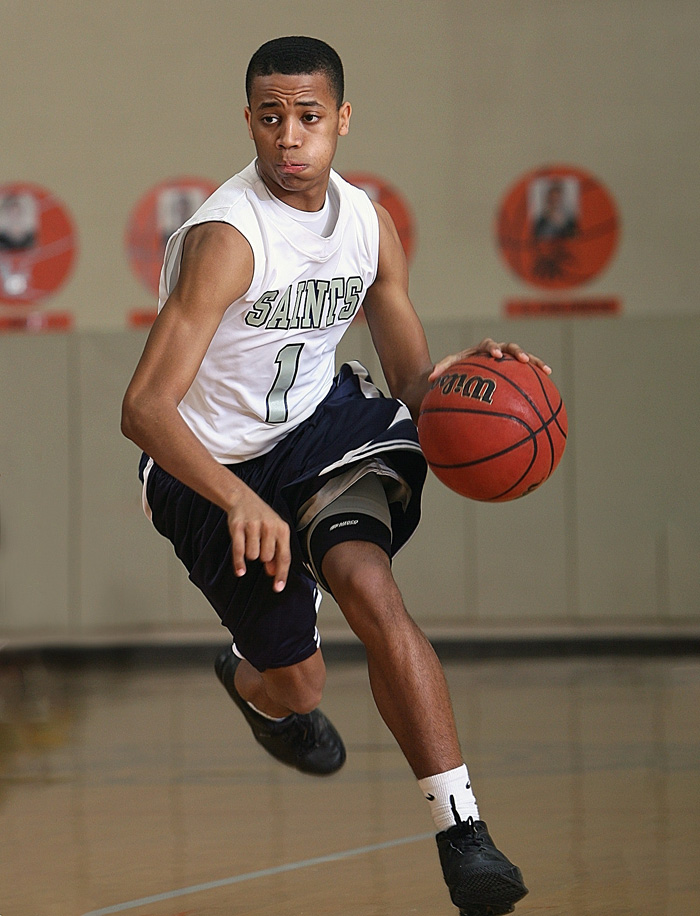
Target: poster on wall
pixel 38 246
pixel 159 213
pixel 557 229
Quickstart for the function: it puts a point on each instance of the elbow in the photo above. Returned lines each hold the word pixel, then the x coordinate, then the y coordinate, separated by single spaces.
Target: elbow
pixel 132 419
pixel 145 415
pixel 127 421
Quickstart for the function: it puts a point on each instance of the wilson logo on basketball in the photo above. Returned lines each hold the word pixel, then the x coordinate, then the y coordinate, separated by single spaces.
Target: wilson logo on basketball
pixel 469 386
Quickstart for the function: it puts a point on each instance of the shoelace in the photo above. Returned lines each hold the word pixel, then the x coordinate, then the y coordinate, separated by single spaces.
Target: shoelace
pixel 303 732
pixel 469 838
pixel 472 836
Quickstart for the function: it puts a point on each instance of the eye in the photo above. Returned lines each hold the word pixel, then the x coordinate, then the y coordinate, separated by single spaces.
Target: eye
pixel 310 117
pixel 269 119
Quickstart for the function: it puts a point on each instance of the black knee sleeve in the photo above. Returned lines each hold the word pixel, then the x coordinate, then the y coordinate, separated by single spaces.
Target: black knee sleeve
pixel 360 513
pixel 345 526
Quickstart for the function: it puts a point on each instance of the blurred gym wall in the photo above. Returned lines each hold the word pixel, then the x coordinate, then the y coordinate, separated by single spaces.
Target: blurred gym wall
pixel 454 101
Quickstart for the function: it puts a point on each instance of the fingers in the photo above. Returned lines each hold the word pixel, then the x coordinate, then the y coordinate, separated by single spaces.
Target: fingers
pixel 498 350
pixel 448 361
pixel 238 547
pixel 278 568
pixel 276 556
pixel 266 540
pixel 489 347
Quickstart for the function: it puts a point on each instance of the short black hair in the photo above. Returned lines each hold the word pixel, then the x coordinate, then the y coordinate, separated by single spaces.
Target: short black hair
pixel 296 54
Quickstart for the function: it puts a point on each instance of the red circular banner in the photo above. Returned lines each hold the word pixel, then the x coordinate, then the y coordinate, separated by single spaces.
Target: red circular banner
pixel 153 220
pixel 557 227
pixel 393 201
pixel 37 243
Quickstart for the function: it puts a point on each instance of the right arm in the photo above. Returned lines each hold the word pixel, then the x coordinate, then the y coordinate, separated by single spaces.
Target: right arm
pixel 216 269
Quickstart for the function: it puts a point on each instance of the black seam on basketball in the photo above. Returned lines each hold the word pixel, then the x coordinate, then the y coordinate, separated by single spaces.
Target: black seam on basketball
pixel 504 416
pixel 519 480
pixel 515 483
pixel 494 413
pixel 532 435
pixel 549 405
pixel 510 381
pixel 555 411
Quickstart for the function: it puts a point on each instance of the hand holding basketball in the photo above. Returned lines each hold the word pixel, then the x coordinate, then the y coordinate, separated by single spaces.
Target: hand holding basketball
pixel 489 347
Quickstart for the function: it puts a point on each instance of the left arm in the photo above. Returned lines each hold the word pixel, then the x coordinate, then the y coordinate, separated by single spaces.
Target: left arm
pixel 397 333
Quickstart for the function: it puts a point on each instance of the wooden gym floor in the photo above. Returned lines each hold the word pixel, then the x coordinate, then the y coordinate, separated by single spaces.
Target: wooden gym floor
pixel 133 787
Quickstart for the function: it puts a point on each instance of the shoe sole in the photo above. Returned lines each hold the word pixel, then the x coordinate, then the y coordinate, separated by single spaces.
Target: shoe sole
pixel 501 893
pixel 487 911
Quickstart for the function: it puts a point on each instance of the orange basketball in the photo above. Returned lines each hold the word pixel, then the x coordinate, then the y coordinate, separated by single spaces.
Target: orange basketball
pixel 493 429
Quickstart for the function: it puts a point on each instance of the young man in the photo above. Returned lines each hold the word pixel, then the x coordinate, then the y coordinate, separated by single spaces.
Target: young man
pixel 271 476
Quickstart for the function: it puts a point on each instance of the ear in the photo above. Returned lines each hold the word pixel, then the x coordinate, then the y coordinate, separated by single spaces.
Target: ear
pixel 248 118
pixel 344 113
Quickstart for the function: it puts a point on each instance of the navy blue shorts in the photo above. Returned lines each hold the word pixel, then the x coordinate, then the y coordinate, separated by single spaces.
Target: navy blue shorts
pixel 354 423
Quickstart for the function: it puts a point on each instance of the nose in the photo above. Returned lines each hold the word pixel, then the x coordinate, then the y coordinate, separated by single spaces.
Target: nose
pixel 289 135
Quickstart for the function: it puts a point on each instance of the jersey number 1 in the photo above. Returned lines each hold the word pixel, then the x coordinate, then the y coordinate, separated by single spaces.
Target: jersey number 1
pixel 287 361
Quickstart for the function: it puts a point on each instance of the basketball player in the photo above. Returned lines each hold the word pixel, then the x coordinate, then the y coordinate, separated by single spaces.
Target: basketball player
pixel 272 477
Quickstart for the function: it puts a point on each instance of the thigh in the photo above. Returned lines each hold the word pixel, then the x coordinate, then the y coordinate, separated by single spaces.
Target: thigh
pixel 270 629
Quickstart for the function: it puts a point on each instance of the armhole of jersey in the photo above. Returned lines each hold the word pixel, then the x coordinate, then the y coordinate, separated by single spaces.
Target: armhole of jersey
pixel 360 202
pixel 374 241
pixel 176 244
pixel 171 262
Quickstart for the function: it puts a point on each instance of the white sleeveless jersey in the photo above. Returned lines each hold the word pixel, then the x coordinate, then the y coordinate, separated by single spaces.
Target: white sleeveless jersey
pixel 272 358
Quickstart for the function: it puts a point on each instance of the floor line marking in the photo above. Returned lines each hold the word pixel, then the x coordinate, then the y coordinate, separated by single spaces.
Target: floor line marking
pixel 251 876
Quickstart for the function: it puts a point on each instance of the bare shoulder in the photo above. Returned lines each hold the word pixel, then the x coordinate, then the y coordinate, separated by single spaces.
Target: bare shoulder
pixel 216 259
pixel 386 223
pixel 392 260
pixel 214 239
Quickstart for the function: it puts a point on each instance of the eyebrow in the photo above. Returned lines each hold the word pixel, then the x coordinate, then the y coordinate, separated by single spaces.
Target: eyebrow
pixel 302 103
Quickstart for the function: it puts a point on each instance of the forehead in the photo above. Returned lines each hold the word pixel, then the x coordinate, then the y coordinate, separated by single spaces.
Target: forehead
pixel 297 87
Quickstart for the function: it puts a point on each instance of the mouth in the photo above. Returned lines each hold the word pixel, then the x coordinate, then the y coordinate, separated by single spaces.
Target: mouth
pixel 291 168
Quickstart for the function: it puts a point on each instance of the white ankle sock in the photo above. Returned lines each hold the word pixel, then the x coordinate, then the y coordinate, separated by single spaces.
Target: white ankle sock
pixel 450 797
pixel 264 714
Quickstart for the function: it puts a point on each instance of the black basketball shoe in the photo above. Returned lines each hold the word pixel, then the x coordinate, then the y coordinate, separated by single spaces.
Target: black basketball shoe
pixel 308 742
pixel 481 880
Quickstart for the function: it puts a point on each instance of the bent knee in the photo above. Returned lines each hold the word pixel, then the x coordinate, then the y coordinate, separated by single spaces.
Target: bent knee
pixel 364 587
pixel 298 687
pixel 301 699
pixel 306 703
pixel 358 569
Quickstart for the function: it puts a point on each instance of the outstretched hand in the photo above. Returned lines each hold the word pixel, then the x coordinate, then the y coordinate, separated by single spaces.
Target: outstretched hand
pixel 259 533
pixel 489 347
